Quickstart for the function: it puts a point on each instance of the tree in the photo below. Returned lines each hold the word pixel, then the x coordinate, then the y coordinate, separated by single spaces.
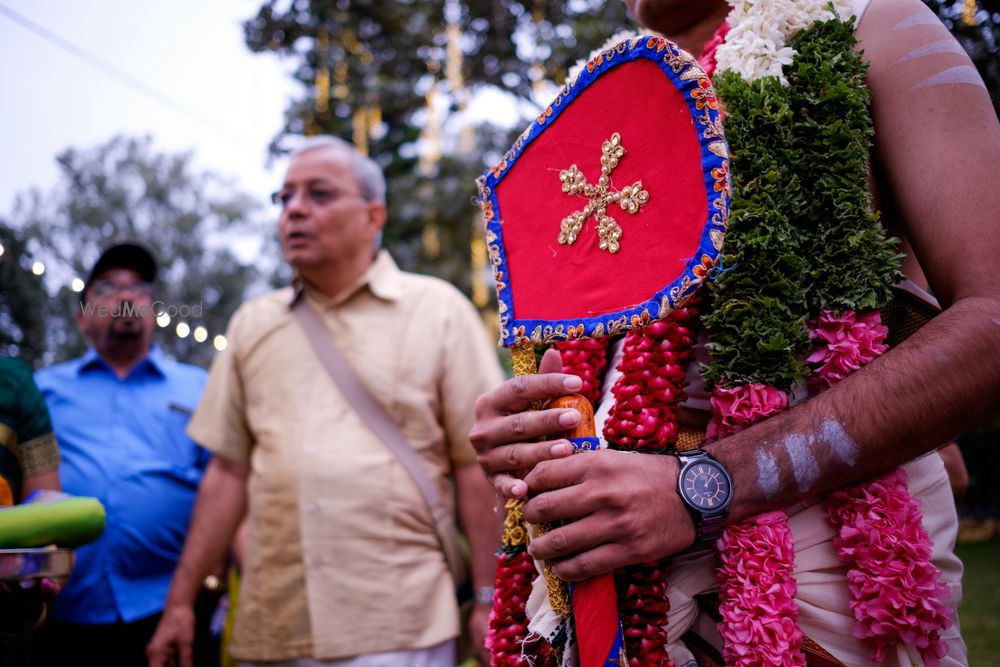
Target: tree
pixel 22 300
pixel 124 189
pixel 395 77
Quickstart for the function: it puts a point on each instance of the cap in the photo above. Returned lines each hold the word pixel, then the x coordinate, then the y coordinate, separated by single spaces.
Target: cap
pixel 127 255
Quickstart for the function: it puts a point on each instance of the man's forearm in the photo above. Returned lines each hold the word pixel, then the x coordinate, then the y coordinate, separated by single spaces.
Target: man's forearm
pixel 941 382
pixel 46 480
pixel 482 525
pixel 220 507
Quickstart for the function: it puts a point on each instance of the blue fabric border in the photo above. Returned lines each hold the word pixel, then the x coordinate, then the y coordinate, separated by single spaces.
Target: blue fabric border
pixel 586 444
pixel 687 76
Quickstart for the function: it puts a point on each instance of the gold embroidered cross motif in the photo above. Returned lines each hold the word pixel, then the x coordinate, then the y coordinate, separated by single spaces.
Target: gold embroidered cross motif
pixel 629 199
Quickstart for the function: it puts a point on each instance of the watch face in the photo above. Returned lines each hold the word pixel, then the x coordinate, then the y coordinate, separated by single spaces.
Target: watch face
pixel 706 485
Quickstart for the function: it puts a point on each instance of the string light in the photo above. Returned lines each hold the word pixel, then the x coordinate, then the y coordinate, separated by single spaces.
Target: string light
pixel 220 342
pixel 359 124
pixel 431 239
pixel 479 253
pixel 183 329
pixel 969 13
pixel 38 268
pixel 163 320
pixel 1 250
pixel 76 285
pixel 322 74
pixel 341 90
pixel 200 334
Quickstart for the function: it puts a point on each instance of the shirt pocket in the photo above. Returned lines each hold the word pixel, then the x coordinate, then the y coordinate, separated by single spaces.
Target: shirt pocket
pixel 178 449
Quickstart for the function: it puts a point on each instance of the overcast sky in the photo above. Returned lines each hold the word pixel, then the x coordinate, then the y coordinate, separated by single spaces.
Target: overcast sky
pixel 218 99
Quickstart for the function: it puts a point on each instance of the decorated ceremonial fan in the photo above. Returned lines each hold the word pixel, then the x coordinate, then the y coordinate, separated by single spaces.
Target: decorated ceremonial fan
pixel 603 219
pixel 618 193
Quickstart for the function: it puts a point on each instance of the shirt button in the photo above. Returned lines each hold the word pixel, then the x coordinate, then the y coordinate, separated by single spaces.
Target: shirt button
pixel 311 450
pixel 312 507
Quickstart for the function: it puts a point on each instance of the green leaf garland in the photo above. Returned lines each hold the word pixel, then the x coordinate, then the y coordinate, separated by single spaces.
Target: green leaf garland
pixel 802 233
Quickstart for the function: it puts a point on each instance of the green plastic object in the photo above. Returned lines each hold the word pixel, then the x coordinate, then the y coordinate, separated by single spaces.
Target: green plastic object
pixel 71 522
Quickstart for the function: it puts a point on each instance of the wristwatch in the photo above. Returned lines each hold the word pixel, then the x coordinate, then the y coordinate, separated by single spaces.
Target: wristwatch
pixel 706 488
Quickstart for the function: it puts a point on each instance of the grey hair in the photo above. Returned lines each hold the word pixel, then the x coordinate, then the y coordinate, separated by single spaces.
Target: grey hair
pixel 369 175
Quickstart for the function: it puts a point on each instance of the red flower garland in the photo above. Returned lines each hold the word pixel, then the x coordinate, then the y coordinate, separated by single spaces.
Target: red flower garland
pixel 647 395
pixel 585 358
pixel 644 417
pixel 508 623
pixel 643 610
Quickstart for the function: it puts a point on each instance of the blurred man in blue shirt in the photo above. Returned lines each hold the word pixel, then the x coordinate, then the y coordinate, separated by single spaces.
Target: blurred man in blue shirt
pixel 119 413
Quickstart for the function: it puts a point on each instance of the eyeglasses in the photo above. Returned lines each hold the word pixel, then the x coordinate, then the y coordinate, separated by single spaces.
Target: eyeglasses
pixel 316 194
pixel 108 288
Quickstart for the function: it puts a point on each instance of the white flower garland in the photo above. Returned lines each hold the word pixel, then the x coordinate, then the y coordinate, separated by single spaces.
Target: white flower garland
pixel 759 32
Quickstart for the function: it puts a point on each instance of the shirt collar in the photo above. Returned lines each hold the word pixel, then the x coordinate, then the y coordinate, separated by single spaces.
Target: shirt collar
pixel 155 361
pixel 383 279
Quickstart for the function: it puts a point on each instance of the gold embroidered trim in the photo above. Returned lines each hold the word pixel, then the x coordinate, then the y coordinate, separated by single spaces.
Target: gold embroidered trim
pixel 39 455
pixel 630 199
pixel 557 588
pixel 515 532
pixel 523 357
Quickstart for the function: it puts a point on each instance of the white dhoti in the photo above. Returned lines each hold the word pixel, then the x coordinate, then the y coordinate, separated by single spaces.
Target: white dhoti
pixel 823 598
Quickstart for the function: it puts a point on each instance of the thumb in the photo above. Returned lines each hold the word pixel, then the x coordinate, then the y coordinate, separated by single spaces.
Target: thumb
pixel 551 362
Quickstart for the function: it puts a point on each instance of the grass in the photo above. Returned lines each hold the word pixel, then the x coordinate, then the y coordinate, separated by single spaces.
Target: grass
pixel 980 611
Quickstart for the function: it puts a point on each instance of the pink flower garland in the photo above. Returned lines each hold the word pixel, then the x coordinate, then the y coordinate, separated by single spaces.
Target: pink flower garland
pixel 740 407
pixel 760 621
pixel 845 343
pixel 894 586
pixel 896 595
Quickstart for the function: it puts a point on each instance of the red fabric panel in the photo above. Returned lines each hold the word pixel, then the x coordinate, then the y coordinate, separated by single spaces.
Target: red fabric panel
pixel 554 282
pixel 595 613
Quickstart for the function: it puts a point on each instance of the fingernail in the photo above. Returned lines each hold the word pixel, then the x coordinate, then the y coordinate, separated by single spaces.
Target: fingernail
pixel 573 383
pixel 561 449
pixel 569 418
pixel 519 489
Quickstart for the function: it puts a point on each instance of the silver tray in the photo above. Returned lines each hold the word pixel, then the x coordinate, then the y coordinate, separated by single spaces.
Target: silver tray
pixel 35 563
